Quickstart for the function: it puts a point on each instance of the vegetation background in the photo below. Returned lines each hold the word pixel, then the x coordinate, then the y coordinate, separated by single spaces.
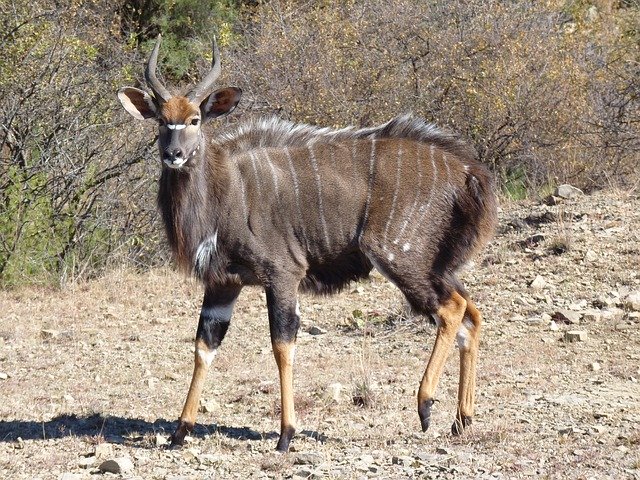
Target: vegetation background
pixel 547 91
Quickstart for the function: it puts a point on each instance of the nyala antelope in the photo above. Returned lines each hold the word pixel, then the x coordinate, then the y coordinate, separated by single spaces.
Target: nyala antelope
pixel 295 208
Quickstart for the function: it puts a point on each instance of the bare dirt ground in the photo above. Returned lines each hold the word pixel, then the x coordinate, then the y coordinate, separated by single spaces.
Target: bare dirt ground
pixel 100 370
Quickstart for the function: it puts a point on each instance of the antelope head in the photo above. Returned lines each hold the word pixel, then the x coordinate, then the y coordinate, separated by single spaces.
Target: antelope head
pixel 179 118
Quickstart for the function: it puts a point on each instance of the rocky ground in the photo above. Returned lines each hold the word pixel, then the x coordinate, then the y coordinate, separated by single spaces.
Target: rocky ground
pixel 93 377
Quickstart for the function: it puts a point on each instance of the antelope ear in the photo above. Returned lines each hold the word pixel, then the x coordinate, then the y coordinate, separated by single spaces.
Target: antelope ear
pixel 138 103
pixel 220 102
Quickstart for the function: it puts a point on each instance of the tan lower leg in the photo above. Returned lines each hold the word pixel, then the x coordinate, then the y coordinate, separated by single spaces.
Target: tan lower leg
pixel 451 314
pixel 284 353
pixel 203 359
pixel 468 359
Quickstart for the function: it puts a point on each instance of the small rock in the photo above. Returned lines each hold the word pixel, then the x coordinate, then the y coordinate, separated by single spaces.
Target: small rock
pixel 568 317
pixel 117 465
pixel 103 450
pixel 538 283
pixel 315 330
pixel 632 302
pixel 634 317
pixel 443 451
pixel 591 315
pixel 612 314
pixel 553 326
pixel 568 191
pixel 49 333
pixel 403 460
pixel 209 459
pixel 334 391
pixel 208 406
pixel 86 462
pixel 590 256
pixel 308 458
pixel 575 336
pixel 3 376
pixel 70 476
pixel 160 440
pixel 595 367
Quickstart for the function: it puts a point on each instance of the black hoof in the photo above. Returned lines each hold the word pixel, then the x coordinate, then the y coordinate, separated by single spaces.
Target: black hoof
pixel 285 439
pixel 424 410
pixel 460 424
pixel 177 439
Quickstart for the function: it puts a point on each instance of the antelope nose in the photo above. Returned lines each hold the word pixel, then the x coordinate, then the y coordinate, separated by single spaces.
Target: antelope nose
pixel 176 153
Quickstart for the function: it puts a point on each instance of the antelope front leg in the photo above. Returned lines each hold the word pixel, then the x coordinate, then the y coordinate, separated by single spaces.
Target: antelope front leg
pixel 468 342
pixel 215 316
pixel 284 322
pixel 450 316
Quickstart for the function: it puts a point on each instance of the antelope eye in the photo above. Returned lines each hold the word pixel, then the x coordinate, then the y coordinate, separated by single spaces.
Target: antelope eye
pixel 195 121
pixel 161 122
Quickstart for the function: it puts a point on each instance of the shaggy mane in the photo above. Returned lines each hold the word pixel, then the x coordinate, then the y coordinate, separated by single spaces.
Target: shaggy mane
pixel 275 132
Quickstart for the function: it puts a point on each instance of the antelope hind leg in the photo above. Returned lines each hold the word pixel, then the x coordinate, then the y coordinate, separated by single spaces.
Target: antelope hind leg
pixel 468 343
pixel 450 315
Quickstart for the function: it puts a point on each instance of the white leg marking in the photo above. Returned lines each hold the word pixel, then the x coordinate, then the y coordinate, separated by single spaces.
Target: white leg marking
pixel 297 308
pixel 207 356
pixel 462 337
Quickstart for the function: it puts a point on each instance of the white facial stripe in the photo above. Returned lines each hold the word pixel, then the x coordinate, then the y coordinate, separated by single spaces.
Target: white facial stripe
pixel 174 126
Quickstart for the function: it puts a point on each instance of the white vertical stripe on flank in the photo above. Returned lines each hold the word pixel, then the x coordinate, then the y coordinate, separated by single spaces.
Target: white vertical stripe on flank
pixel 243 194
pixel 372 164
pixel 332 157
pixel 255 171
pixel 274 172
pixel 316 171
pixel 395 193
pixel 296 187
pixel 417 197
pixel 424 208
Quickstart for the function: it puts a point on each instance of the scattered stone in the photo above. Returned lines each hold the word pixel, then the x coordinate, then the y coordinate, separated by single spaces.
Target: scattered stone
pixel 538 283
pixel 553 326
pixel 209 459
pixel 70 476
pixel 612 314
pixel 334 392
pixel 315 330
pixel 632 302
pixel 117 465
pixel 634 317
pixel 160 440
pixel 49 333
pixel 208 406
pixel 403 460
pixel 4 376
pixel 595 367
pixel 103 450
pixel 568 317
pixel 575 336
pixel 443 451
pixel 590 256
pixel 87 462
pixel 308 458
pixel 568 191
pixel 591 315
pixel 532 241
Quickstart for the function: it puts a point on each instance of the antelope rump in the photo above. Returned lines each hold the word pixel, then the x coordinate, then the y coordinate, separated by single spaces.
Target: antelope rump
pixel 293 208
